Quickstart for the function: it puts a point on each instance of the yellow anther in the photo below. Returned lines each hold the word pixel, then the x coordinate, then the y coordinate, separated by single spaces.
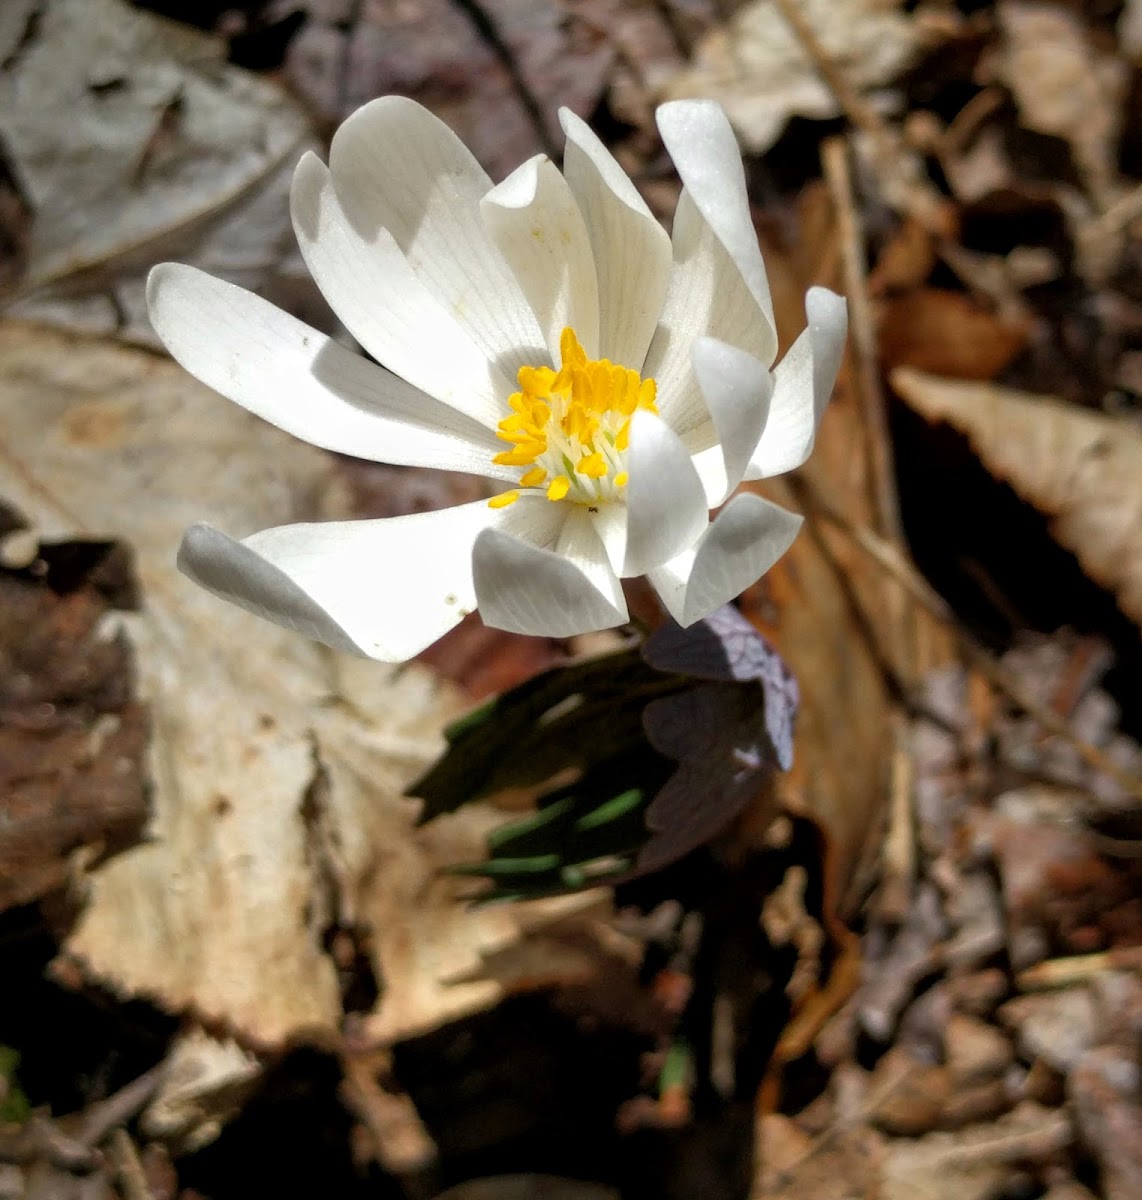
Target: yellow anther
pixel 568 428
pixel 570 351
pixel 503 499
pixel 535 381
pixel 522 456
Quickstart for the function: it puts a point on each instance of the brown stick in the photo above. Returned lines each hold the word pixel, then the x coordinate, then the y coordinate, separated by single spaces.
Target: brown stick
pixel 870 391
pixel 856 108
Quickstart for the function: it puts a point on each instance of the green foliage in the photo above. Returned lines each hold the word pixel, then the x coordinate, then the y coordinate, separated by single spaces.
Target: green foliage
pixel 14 1106
pixel 638 757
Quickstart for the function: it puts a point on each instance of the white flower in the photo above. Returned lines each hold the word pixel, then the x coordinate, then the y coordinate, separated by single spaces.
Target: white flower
pixel 546 333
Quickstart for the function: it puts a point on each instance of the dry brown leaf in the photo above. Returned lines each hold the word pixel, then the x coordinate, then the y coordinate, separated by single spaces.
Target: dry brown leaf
pixel 134 140
pixel 277 766
pixel 1130 30
pixel 71 738
pixel 1064 85
pixel 1081 468
pixel 756 67
pixel 975 1163
pixel 841 763
pixel 790 1165
pixel 204 1082
pixel 947 333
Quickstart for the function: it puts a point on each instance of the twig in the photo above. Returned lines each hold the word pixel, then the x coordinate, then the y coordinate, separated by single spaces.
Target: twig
pixel 119 1108
pixel 855 107
pixel 1063 972
pixel 1124 211
pixel 899 857
pixel 900 174
pixel 870 392
pixel 129 1167
pixel 888 557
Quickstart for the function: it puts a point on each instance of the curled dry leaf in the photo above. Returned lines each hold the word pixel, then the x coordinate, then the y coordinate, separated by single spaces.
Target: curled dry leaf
pixel 277 767
pixel 948 333
pixel 1064 85
pixel 756 66
pixel 204 1082
pixel 133 140
pixel 1082 469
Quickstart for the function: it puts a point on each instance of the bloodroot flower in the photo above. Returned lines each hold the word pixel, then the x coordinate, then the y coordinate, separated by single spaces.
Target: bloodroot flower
pixel 546 333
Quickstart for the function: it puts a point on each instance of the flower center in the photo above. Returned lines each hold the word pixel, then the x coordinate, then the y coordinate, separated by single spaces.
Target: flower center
pixel 568 429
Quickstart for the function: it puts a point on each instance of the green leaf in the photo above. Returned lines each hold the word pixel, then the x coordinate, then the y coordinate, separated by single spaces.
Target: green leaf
pixel 665 746
pixel 14 1106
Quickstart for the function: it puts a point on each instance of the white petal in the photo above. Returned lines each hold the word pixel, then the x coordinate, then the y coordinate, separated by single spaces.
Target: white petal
pixel 533 219
pixel 736 387
pixel 666 503
pixel 385 588
pixel 547 593
pixel 580 543
pixel 305 383
pixel 398 167
pixel 748 536
pixel 707 296
pixel 631 250
pixel 611 526
pixel 701 142
pixel 803 382
pixel 385 307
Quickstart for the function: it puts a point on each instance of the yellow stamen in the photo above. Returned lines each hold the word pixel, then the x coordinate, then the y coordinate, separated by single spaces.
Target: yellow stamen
pixel 594 465
pixel 570 351
pixel 503 499
pixel 568 428
pixel 521 456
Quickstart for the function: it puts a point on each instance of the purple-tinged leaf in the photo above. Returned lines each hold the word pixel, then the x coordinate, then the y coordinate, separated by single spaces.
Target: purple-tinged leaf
pixel 724 757
pixel 725 647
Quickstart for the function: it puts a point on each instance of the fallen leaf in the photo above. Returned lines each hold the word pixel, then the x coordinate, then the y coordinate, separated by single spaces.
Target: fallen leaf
pixel 277 767
pixel 823 607
pixel 134 140
pixel 948 333
pixel 72 738
pixel 1103 1091
pixel 1065 85
pixel 791 1166
pixel 756 67
pixel 496 79
pixel 1081 468
pixel 1130 30
pixel 975 1163
pixel 203 1082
